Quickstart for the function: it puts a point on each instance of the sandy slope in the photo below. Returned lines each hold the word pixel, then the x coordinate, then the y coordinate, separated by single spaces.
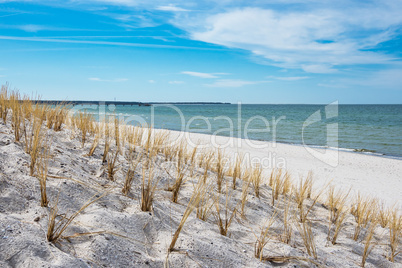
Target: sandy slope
pixel 371 175
pixel 132 238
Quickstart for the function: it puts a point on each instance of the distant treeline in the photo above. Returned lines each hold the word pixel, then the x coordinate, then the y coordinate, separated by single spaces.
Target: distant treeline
pixel 131 103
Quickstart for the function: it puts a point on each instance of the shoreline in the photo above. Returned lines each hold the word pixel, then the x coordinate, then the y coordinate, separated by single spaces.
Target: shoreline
pixel 368 174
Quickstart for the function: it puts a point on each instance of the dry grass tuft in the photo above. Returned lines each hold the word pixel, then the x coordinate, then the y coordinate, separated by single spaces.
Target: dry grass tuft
pixel 244 196
pixel 133 163
pixel 112 166
pixel 364 210
pixel 287 226
pixel 302 192
pixel 42 173
pixel 34 144
pixel 94 145
pixel 263 239
pixel 256 180
pixel 56 228
pixel 280 184
pixel 192 204
pixel 225 220
pixel 308 238
pixel 107 143
pixel 395 229
pixel 236 173
pixel 207 201
pixel 368 245
pixel 384 215
pixel 84 121
pixel 219 168
pixel 148 187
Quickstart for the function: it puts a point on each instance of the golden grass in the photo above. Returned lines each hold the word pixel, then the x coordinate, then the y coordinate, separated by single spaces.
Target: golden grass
pixel 95 144
pixel 133 163
pixel 56 116
pixel 224 220
pixel 368 245
pixel 287 232
pixel 192 204
pixel 43 173
pixel 395 230
pixel 244 196
pixel 336 201
pixel 112 165
pixel 219 169
pixel 383 215
pixel 84 122
pixel 364 210
pixel 280 183
pixel 256 179
pixel 148 187
pixel 263 239
pixel 35 143
pixel 107 143
pixel 307 235
pixel 16 118
pixel 236 173
pixel 304 191
pixel 56 227
pixel 4 106
pixel 30 121
pixel 207 202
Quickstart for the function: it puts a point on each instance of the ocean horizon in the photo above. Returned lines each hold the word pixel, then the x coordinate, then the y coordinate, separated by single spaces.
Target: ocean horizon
pixel 362 128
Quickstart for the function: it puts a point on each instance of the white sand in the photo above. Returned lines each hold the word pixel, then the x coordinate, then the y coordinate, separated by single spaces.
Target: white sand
pixel 370 175
pixel 132 238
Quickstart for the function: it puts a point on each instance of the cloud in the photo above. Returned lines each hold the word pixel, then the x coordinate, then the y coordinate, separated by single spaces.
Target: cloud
pixel 289 78
pixel 201 75
pixel 315 39
pixel 107 80
pixel 176 82
pixel 171 8
pixel 97 42
pixel 318 68
pixel 382 79
pixel 151 81
pixel 233 83
pixel 33 28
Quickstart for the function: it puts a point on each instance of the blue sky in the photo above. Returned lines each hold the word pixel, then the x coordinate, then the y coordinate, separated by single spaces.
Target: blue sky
pixel 279 51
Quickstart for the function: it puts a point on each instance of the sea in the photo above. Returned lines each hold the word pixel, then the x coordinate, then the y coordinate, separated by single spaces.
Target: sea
pixel 368 129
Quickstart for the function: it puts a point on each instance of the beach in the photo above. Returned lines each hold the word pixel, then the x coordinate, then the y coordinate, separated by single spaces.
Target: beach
pixel 113 230
pixel 368 174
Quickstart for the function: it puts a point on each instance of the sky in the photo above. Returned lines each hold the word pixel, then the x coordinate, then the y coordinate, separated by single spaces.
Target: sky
pixel 277 51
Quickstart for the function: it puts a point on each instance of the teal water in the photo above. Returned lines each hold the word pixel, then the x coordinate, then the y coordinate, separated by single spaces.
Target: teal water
pixel 375 129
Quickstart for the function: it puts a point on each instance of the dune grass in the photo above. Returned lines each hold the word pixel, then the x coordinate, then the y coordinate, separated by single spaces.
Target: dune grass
pixel 263 238
pixel 195 199
pixel 31 124
pixel 57 224
pixel 148 186
pixel 224 219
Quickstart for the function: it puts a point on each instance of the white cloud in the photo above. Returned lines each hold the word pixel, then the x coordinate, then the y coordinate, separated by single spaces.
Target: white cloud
pixel 107 80
pixel 379 79
pixel 233 83
pixel 315 39
pixel 201 75
pixel 318 68
pixel 176 82
pixel 171 8
pixel 32 28
pixel 151 81
pixel 289 78
pixel 75 41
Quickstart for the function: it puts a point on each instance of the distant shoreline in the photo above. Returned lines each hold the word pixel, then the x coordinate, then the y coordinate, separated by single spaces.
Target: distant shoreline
pixel 130 103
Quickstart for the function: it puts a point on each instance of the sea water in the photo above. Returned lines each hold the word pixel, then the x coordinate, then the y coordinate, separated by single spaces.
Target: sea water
pixel 372 129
